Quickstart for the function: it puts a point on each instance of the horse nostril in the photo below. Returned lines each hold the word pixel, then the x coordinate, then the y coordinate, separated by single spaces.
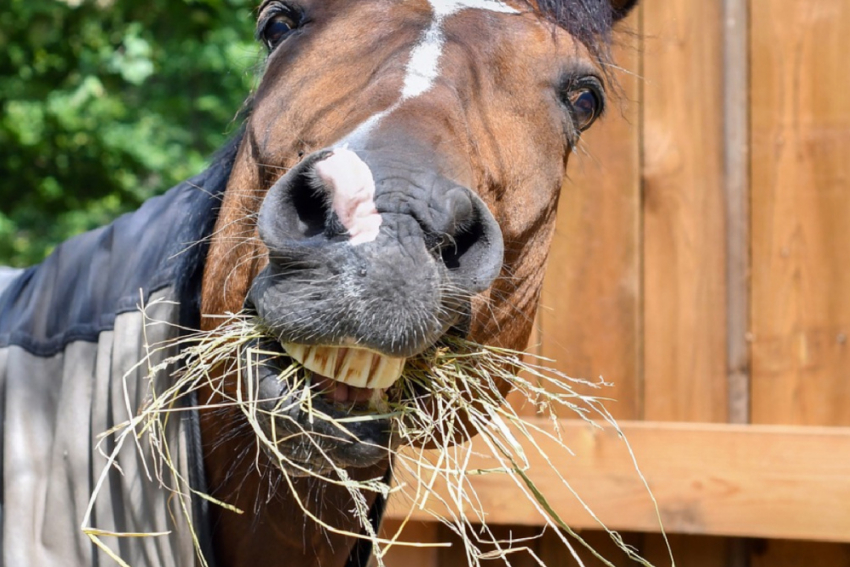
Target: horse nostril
pixel 471 245
pixel 297 209
pixel 310 205
pixel 453 248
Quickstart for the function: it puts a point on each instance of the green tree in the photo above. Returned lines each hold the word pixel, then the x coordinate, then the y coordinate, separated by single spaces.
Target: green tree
pixel 105 103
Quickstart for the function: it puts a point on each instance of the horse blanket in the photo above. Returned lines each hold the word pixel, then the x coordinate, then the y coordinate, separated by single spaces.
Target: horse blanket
pixel 71 335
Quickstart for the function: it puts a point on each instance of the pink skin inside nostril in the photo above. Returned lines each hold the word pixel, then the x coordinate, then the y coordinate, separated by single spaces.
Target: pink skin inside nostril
pixel 353 189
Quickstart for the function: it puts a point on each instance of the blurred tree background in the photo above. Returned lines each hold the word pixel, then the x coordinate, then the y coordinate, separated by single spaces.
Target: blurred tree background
pixel 104 103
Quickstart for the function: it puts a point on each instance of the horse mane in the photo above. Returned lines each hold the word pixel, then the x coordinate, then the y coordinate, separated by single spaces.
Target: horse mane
pixel 213 183
pixel 590 22
pixel 193 260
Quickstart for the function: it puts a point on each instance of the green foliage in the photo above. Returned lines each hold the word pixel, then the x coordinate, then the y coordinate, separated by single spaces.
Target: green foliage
pixel 105 103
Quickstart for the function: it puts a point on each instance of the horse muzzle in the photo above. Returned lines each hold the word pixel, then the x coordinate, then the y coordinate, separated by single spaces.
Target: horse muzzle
pixel 372 260
pixel 369 251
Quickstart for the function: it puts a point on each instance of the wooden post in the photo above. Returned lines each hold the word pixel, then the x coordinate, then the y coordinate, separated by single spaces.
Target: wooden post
pixel 736 133
pixel 736 126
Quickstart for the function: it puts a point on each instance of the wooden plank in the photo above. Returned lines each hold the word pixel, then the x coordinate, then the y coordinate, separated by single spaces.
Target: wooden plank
pixel 752 481
pixel 454 555
pixel 553 554
pixel 801 229
pixel 800 553
pixel 688 550
pixel 687 314
pixel 684 232
pixel 801 212
pixel 591 297
pixel 419 532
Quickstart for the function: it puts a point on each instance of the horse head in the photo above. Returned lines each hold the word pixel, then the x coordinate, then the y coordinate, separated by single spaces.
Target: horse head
pixel 397 181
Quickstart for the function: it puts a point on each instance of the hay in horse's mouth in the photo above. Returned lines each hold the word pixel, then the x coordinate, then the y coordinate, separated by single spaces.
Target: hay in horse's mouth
pixel 308 424
pixel 446 377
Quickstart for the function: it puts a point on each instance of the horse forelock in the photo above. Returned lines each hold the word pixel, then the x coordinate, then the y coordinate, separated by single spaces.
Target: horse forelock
pixel 589 22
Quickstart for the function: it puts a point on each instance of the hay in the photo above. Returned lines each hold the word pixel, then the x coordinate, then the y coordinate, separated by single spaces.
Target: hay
pixel 452 374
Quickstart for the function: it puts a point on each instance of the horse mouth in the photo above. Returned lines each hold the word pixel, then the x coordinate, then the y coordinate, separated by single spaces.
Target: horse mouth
pixel 325 408
pixel 347 373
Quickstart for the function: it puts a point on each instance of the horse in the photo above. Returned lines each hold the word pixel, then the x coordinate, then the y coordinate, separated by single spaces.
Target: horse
pixel 395 181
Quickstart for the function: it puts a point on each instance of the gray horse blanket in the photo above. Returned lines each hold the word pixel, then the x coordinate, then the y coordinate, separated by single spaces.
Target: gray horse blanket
pixel 71 335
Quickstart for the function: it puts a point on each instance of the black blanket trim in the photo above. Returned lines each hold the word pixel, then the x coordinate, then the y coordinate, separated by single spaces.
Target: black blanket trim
pixel 189 290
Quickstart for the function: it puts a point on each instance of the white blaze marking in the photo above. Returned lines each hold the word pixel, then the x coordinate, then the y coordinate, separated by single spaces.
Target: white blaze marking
pixel 424 64
pixel 423 67
pixel 443 8
pixel 348 176
pixel 353 194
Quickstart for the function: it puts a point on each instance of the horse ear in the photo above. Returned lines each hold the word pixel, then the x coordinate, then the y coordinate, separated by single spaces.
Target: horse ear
pixel 622 8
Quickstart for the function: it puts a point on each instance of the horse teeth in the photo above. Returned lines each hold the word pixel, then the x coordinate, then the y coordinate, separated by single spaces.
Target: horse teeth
pixel 322 360
pixel 353 366
pixel 296 352
pixel 385 372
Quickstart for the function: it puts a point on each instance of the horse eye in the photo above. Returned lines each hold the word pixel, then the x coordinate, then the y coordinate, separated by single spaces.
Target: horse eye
pixel 276 29
pixel 586 106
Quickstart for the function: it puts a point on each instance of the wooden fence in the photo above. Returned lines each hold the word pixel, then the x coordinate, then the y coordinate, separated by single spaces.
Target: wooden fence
pixel 702 265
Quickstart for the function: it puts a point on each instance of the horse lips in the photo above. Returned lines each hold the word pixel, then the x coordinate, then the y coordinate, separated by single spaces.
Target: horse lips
pixel 356 367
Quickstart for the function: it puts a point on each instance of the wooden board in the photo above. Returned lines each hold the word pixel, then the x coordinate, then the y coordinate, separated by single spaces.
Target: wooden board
pixel 799 553
pixel 590 308
pixel 801 229
pixel 684 233
pixel 801 212
pixel 688 550
pixel 419 532
pixel 755 481
pixel 684 208
pixel 551 550
pixel 701 551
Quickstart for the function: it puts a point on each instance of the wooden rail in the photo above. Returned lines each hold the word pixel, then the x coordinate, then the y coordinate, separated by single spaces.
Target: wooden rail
pixel 712 479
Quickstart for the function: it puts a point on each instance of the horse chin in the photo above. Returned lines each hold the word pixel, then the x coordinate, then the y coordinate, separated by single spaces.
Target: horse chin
pixel 314 424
